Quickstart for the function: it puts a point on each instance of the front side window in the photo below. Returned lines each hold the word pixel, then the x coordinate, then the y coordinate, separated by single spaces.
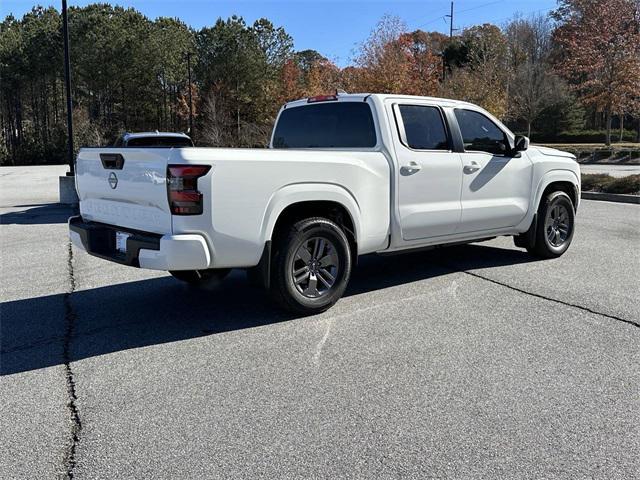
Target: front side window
pixel 424 127
pixel 480 134
pixel 326 125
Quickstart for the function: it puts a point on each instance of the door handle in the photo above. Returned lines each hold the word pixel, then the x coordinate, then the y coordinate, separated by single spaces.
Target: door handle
pixel 410 169
pixel 473 167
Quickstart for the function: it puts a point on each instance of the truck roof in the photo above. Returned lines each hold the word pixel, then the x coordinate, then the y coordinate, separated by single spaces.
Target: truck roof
pixel 382 97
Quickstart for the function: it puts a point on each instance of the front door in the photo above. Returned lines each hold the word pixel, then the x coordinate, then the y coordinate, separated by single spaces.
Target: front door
pixel 496 186
pixel 430 173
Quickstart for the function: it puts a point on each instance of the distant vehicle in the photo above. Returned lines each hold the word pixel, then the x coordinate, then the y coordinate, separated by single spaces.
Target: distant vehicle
pixel 153 139
pixel 345 175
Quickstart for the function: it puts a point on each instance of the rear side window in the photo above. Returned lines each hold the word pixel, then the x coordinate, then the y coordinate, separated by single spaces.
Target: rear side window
pixel 326 125
pixel 424 127
pixel 479 133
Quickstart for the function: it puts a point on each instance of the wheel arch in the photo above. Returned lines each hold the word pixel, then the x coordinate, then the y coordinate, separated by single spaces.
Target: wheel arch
pixel 298 201
pixel 556 180
pixel 559 180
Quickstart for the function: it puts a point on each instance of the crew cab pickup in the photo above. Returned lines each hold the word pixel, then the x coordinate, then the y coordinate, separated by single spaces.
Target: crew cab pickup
pixel 345 175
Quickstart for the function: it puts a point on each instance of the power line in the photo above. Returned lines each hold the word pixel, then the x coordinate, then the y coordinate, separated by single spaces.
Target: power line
pixel 441 17
pixel 498 20
pixel 494 21
pixel 444 16
pixel 480 6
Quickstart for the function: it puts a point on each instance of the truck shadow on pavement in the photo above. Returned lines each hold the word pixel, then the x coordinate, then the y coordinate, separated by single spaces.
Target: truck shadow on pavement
pixel 38 214
pixel 109 319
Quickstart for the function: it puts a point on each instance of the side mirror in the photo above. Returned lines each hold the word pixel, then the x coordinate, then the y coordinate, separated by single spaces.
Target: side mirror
pixel 521 143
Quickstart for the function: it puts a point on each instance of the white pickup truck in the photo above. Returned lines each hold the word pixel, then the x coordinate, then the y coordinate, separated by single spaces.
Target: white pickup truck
pixel 345 175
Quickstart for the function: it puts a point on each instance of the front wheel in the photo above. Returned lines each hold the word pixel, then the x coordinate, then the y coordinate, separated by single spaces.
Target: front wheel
pixel 311 266
pixel 209 278
pixel 554 231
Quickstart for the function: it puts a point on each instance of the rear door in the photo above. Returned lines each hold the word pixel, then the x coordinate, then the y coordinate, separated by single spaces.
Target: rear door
pixel 430 173
pixel 125 187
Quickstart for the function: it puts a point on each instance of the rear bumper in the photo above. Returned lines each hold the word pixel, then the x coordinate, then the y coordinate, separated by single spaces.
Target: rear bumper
pixel 144 250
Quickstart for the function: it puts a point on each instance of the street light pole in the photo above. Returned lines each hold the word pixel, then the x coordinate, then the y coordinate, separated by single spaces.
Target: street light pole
pixel 67 81
pixel 190 99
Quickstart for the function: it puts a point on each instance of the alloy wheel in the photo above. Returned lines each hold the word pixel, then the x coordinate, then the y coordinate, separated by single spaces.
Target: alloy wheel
pixel 557 225
pixel 315 267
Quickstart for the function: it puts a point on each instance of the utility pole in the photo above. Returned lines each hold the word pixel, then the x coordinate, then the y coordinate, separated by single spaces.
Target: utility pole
pixel 450 22
pixel 444 61
pixel 67 81
pixel 190 99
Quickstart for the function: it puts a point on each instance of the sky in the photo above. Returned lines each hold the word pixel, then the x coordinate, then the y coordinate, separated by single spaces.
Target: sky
pixel 332 27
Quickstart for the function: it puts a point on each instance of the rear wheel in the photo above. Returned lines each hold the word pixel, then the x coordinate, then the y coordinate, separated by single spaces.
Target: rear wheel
pixel 311 266
pixel 555 227
pixel 208 278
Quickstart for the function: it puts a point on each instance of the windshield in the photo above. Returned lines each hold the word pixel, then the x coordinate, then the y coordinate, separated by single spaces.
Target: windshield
pixel 326 125
pixel 158 141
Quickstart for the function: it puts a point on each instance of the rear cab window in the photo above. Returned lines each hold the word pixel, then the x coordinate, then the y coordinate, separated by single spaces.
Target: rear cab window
pixel 345 124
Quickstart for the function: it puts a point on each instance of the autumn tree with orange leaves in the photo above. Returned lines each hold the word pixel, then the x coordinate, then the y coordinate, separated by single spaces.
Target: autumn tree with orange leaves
pixel 323 77
pixel 547 79
pixel 424 66
pixel 600 42
pixel 395 61
pixel 482 75
pixel 291 82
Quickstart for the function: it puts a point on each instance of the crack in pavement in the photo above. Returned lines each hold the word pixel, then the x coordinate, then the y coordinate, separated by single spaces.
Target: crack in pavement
pixel 323 340
pixel 561 302
pixel 69 460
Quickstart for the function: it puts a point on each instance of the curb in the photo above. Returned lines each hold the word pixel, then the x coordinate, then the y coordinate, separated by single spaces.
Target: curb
pixel 632 163
pixel 611 197
pixel 67 190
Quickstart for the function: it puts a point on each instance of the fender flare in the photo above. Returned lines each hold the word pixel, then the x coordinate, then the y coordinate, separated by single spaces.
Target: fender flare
pixel 308 192
pixel 559 175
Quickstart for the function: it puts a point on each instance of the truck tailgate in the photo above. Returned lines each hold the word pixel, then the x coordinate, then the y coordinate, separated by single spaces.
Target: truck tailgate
pixel 125 187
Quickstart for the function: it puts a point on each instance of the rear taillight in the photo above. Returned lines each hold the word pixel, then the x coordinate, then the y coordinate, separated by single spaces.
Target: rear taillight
pixel 182 187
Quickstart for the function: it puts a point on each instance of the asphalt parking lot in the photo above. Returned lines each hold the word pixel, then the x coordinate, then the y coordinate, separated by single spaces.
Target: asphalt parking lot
pixel 468 362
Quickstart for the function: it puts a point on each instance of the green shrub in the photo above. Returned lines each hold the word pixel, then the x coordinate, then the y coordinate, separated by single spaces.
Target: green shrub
pixel 589 153
pixel 629 185
pixel 582 136
pixel 594 182
pixel 602 154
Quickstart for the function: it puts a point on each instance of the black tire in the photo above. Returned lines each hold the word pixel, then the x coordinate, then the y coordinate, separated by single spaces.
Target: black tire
pixel 209 278
pixel 555 226
pixel 320 246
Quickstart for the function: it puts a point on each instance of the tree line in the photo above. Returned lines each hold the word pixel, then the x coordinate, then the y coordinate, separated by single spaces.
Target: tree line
pixel 568 75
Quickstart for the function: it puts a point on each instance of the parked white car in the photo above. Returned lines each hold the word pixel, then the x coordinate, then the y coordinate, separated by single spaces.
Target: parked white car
pixel 345 175
pixel 153 139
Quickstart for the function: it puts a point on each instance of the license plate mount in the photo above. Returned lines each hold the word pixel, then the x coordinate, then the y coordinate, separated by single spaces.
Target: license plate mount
pixel 121 242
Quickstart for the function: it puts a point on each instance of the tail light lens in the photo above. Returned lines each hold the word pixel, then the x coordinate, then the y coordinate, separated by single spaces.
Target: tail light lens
pixel 182 187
